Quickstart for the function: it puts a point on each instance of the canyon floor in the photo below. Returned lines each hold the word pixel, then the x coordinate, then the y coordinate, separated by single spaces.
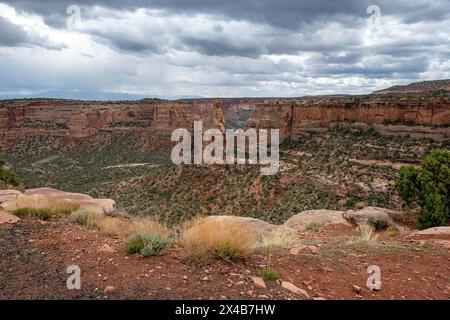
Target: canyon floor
pixel 34 257
pixel 337 170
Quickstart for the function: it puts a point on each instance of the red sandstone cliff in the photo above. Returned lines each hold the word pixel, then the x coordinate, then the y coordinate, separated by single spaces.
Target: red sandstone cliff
pixel 420 116
pixel 388 116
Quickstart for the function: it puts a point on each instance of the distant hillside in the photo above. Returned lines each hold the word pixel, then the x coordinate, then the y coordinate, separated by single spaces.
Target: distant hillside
pixel 418 87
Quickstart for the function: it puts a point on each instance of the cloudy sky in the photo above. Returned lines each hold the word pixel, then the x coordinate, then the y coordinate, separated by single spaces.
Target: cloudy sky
pixel 224 48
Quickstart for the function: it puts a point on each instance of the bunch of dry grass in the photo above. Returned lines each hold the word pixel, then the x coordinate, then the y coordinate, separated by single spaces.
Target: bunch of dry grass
pixel 64 207
pixel 277 240
pixel 119 226
pixel 221 238
pixel 365 235
pixel 366 232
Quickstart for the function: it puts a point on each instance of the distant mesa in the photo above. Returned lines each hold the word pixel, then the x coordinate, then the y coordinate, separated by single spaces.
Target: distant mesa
pixel 418 87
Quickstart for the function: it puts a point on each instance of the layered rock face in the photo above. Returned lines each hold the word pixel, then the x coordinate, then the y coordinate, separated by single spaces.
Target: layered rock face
pixel 419 117
pixel 73 119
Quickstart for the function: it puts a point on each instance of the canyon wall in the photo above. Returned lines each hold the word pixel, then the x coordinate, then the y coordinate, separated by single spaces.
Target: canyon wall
pixel 420 117
pixel 73 119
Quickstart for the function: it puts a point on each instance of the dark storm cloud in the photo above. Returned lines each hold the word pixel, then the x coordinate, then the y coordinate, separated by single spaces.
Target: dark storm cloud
pixel 13 35
pixel 282 16
pixel 124 42
pixel 213 47
pixel 290 14
pixel 214 44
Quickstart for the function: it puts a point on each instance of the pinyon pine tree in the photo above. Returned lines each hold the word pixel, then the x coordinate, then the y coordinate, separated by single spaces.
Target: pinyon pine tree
pixel 428 187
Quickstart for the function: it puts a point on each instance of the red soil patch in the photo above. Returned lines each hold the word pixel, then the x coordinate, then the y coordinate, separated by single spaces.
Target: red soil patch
pixel 34 257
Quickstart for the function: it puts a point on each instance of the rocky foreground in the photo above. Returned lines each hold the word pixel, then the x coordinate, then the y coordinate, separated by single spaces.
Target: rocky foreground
pixel 325 262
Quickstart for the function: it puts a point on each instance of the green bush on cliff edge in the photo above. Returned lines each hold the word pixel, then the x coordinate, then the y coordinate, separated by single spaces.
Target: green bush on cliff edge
pixel 428 187
pixel 7 177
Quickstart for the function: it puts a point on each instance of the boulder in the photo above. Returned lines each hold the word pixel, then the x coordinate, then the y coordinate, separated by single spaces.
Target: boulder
pixel 436 231
pixel 436 235
pixel 362 216
pixel 360 190
pixel 9 195
pixel 319 218
pixel 48 197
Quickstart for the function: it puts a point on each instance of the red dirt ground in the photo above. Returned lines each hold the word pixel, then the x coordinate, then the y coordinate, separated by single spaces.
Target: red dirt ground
pixel 34 256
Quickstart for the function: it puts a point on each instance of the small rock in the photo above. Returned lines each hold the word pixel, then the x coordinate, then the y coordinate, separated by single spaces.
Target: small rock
pixel 291 287
pixel 185 277
pixel 106 248
pixel 109 289
pixel 263 296
pixel 357 289
pixel 205 278
pixel 299 249
pixel 258 282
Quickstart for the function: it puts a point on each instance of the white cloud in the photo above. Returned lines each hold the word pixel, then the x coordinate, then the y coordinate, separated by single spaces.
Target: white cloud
pixel 156 51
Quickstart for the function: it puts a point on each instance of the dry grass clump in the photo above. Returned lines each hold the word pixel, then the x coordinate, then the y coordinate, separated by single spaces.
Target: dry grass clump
pixel 365 235
pixel 277 240
pixel 64 207
pixel 366 232
pixel 118 226
pixel 223 238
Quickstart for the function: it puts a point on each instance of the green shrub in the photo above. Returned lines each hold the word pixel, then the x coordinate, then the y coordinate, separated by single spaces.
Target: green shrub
pixel 428 187
pixel 146 244
pixel 434 212
pixel 157 246
pixel 7 177
pixel 269 274
pixel 43 214
pixel 379 222
pixel 80 216
pixel 228 252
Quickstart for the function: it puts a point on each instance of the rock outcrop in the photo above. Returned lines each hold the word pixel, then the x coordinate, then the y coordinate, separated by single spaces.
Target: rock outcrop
pixel 6 217
pixel 48 198
pixel 437 235
pixel 417 116
pixel 20 119
pixel 315 218
pixel 364 215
